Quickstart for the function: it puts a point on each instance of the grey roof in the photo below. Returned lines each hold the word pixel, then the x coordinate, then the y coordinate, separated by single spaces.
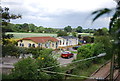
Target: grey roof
pixel 68 37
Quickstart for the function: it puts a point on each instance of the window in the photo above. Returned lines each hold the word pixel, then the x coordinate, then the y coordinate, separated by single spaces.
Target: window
pixel 56 44
pixel 63 42
pixel 33 45
pixel 52 44
pixel 60 42
pixel 39 44
pixel 22 45
pixel 66 43
pixel 29 45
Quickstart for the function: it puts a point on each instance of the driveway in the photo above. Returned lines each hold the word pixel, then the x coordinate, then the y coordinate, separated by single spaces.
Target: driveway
pixel 66 60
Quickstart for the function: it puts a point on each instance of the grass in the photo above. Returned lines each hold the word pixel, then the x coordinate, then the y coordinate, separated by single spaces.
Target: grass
pixel 74 52
pixel 23 35
pixel 86 71
pixel 85 34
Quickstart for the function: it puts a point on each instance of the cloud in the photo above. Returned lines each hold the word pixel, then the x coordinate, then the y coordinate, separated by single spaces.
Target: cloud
pixel 57 13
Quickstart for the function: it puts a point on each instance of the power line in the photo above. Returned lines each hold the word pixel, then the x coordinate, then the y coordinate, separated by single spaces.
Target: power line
pixel 100 55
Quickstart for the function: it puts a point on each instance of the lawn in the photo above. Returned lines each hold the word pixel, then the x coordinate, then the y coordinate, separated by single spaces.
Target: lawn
pixel 23 35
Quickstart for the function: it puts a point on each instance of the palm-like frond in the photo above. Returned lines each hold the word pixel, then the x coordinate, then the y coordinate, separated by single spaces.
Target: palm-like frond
pixel 112 20
pixel 100 13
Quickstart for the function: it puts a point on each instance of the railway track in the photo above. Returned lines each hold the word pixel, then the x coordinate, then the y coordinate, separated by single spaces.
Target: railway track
pixel 103 73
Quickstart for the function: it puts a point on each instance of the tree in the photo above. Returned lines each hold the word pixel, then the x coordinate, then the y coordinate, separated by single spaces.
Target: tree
pixel 101 32
pixel 74 34
pixel 6 17
pixel 68 29
pixel 25 27
pixel 62 33
pixel 113 33
pixel 79 29
pixel 30 68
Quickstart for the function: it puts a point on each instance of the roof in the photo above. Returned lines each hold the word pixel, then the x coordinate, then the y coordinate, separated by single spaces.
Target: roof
pixel 41 39
pixel 69 37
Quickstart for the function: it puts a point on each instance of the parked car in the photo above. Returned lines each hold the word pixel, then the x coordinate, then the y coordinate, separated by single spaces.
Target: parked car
pixel 76 47
pixel 67 54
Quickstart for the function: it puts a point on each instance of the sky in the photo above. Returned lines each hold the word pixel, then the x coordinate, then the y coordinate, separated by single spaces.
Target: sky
pixel 59 13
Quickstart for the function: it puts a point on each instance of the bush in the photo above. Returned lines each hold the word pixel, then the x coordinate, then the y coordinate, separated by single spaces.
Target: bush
pixel 9 50
pixel 28 69
pixel 32 68
pixel 85 51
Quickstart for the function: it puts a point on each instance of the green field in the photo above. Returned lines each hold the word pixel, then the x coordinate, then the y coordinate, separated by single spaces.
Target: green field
pixel 85 34
pixel 23 35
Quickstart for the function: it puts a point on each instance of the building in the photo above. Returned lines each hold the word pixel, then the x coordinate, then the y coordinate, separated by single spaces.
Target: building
pixel 67 41
pixel 44 42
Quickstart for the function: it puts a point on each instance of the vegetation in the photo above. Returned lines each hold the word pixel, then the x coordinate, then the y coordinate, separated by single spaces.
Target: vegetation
pixel 18 35
pixel 30 68
pixel 62 33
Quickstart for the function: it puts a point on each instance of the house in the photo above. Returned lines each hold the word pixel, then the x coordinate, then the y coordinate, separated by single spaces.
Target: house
pixel 44 42
pixel 67 41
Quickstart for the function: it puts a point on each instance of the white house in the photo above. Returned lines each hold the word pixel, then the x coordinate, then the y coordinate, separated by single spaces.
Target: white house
pixel 67 41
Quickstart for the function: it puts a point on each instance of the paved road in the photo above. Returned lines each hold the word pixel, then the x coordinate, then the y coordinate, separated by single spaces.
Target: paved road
pixel 66 60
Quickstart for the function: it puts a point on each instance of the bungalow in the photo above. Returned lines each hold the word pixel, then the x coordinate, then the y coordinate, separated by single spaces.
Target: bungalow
pixel 67 41
pixel 44 42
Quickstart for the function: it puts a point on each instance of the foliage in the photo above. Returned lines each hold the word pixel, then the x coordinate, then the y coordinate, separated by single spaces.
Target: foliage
pixel 90 50
pixel 10 41
pixel 9 50
pixel 46 60
pixel 79 29
pixel 62 33
pixel 114 29
pixel 6 16
pixel 88 30
pixel 68 29
pixel 74 34
pixel 85 51
pixel 32 68
pixel 101 32
pixel 25 69
pixel 100 13
pixel 88 39
pixel 39 51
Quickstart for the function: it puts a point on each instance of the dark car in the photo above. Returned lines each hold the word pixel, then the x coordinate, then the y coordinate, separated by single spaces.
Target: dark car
pixel 76 47
pixel 67 54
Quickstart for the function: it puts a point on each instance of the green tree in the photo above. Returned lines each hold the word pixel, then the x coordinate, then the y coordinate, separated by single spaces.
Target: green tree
pixel 101 32
pixel 30 68
pixel 62 33
pixel 27 69
pixel 6 17
pixel 74 34
pixel 113 31
pixel 79 29
pixel 68 29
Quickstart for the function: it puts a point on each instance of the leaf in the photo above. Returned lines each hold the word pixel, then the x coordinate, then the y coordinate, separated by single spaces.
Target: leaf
pixel 100 13
pixel 112 20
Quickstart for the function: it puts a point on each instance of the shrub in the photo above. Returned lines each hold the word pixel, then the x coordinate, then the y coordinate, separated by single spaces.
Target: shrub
pixel 28 69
